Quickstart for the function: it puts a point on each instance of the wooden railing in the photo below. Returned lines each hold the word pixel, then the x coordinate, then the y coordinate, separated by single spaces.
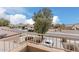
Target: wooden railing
pixel 9 42
pixel 64 42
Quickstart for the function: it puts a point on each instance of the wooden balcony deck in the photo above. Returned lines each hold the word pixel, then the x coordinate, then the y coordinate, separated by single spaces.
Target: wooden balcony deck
pixel 35 48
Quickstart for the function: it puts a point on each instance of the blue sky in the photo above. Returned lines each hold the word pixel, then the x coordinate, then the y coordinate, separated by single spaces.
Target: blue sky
pixel 66 15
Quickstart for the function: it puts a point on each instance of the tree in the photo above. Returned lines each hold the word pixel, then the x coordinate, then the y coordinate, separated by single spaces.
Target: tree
pixel 62 27
pixel 56 26
pixel 59 26
pixel 4 22
pixel 43 20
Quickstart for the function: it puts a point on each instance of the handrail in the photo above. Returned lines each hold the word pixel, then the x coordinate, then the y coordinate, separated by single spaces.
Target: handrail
pixel 54 34
pixel 70 37
pixel 10 36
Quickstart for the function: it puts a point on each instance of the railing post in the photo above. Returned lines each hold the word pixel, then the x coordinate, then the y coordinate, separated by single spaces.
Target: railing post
pixel 13 44
pixel 56 42
pixel 60 42
pixel 69 45
pixel 9 45
pixel 74 45
pixel 4 45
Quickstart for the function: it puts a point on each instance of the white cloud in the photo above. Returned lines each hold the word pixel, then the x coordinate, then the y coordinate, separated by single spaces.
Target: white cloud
pixel 17 18
pixel 29 21
pixel 15 10
pixel 2 13
pixel 2 10
pixel 56 20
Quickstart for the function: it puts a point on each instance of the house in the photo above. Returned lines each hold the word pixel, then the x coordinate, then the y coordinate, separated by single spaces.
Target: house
pixel 75 27
pixel 29 27
pixel 68 26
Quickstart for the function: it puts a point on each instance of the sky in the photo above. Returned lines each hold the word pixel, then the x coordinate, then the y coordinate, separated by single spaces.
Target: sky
pixel 63 15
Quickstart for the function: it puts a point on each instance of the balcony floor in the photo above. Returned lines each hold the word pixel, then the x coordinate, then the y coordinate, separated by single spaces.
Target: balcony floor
pixel 35 48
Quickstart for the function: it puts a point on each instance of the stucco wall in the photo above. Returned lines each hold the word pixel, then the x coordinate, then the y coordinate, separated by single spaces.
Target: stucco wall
pixel 33 49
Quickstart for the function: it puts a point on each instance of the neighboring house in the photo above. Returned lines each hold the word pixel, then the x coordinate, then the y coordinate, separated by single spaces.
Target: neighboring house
pixel 75 27
pixel 68 26
pixel 29 27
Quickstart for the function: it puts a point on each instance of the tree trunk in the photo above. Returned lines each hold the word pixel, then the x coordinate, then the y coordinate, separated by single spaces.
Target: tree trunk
pixel 42 37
